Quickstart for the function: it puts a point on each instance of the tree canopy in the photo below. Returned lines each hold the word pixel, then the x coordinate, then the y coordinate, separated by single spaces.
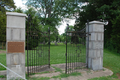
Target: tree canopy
pixel 5 5
pixel 102 10
pixel 51 12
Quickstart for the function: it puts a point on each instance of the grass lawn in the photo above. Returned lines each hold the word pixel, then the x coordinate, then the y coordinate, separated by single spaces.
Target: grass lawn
pixel 111 60
pixel 57 54
pixel 2 60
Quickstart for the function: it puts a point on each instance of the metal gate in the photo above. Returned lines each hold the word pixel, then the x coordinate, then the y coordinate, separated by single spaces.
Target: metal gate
pixel 38 48
pixel 75 50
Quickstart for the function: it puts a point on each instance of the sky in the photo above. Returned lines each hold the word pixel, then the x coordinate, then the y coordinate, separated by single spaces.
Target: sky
pixel 61 28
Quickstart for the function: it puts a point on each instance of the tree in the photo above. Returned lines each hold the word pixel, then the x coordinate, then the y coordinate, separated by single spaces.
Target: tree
pixel 19 10
pixel 115 35
pixel 2 27
pixel 5 5
pixel 72 35
pixel 62 37
pixel 33 29
pixel 101 10
pixel 51 12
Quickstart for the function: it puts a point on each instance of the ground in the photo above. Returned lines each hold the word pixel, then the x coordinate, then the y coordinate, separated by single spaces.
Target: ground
pixel 118 74
pixel 1 51
pixel 57 72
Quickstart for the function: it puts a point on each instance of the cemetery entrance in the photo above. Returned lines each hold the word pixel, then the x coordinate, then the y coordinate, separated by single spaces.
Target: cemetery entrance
pixel 38 49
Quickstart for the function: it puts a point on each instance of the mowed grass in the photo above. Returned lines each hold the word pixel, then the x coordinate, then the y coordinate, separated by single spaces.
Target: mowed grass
pixel 57 54
pixel 111 60
pixel 3 61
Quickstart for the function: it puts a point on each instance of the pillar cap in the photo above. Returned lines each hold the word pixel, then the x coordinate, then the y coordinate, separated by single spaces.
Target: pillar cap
pixel 16 14
pixel 96 22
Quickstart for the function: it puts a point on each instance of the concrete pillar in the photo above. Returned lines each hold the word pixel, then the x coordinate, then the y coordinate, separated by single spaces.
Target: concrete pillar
pixel 15 41
pixel 95 48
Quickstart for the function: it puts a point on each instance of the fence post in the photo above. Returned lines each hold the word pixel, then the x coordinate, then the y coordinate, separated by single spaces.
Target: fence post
pixel 15 44
pixel 96 43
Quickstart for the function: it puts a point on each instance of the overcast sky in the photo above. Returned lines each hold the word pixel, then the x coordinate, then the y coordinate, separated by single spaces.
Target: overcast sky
pixel 20 3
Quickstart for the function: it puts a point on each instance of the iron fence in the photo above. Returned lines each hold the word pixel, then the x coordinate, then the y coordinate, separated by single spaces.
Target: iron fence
pixel 38 49
pixel 2 45
pixel 75 50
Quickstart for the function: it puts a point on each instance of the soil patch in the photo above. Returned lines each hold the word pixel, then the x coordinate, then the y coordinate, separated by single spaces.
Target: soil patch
pixel 62 66
pixel 118 74
pixel 1 51
pixel 108 67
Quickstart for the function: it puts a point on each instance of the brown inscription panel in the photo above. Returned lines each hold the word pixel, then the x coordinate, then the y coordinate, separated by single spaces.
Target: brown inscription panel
pixel 16 47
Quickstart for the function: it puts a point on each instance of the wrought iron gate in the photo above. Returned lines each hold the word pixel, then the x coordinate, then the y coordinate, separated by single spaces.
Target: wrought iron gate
pixel 38 48
pixel 75 50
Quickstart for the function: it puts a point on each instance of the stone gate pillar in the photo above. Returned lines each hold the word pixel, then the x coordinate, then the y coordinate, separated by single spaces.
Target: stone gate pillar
pixel 96 43
pixel 15 41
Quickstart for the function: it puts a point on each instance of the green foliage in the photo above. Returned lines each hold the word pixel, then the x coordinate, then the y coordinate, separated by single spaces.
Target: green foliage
pixel 53 31
pixel 19 10
pixel 87 12
pixel 62 37
pixel 5 5
pixel 115 36
pixel 33 32
pixel 70 28
pixel 45 11
pixel 102 10
pixel 2 76
pixel 53 9
pixel 51 12
pixel 2 27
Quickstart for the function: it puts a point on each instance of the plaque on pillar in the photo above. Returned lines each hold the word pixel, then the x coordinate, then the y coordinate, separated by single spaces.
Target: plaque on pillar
pixel 15 47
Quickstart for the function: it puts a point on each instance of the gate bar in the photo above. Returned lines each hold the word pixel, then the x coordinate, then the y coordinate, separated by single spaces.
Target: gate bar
pixel 87 42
